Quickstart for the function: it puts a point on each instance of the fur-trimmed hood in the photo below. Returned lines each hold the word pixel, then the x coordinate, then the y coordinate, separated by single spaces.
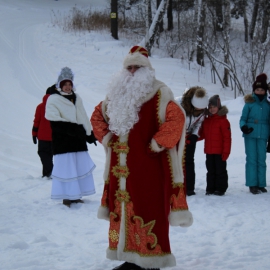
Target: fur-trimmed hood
pixel 223 111
pixel 250 98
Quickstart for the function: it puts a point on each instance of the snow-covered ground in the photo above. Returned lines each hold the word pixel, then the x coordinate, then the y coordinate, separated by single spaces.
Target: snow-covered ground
pixel 37 233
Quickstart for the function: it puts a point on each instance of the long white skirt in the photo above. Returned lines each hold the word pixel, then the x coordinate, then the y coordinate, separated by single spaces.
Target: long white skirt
pixel 72 176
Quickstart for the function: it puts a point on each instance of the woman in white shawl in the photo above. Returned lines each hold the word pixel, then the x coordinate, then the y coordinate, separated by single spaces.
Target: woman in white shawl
pixel 71 129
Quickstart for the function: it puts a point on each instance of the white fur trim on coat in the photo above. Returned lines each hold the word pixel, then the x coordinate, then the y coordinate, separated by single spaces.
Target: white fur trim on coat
pixel 182 218
pixel 176 155
pixel 106 139
pixel 155 147
pixel 103 213
pixel 137 59
pixel 59 108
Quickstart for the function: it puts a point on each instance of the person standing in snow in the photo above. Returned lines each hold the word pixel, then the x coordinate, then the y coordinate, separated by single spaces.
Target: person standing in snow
pixel 142 129
pixel 194 102
pixel 216 132
pixel 42 131
pixel 71 129
pixel 255 125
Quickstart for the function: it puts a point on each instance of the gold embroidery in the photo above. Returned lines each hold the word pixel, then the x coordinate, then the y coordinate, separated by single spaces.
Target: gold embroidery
pixel 158 105
pixel 148 229
pixel 139 236
pixel 120 147
pixel 122 196
pixel 104 199
pixel 113 236
pixel 179 202
pixel 120 171
pixel 115 219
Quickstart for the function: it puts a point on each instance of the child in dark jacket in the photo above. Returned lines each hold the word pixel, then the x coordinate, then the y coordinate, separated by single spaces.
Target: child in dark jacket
pixel 43 132
pixel 216 132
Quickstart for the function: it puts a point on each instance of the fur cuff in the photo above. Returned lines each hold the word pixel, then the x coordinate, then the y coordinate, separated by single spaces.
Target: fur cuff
pixel 155 147
pixel 106 139
pixel 181 218
pixel 103 213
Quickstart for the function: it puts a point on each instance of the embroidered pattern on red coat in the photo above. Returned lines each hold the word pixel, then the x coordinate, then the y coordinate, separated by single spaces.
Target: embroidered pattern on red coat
pixel 139 236
pixel 104 199
pixel 179 202
pixel 115 220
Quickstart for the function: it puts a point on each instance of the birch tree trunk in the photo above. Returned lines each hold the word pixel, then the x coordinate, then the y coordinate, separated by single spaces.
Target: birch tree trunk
pixel 200 34
pixel 149 11
pixel 154 29
pixel 226 35
pixel 219 15
pixel 254 18
pixel 265 19
pixel 195 18
pixel 170 16
pixel 161 28
pixel 245 20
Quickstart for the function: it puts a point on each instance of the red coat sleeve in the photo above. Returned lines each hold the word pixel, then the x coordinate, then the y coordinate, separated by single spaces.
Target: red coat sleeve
pixel 100 126
pixel 170 131
pixel 227 137
pixel 37 120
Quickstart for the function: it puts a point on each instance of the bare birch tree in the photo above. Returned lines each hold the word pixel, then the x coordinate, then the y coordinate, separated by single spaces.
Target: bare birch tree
pixel 254 18
pixel 226 37
pixel 265 19
pixel 154 28
pixel 200 34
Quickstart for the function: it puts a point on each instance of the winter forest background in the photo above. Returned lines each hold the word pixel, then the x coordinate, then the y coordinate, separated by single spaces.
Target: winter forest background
pixel 219 45
pixel 229 37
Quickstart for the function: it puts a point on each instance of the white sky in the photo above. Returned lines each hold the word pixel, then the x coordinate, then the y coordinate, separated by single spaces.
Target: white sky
pixel 37 233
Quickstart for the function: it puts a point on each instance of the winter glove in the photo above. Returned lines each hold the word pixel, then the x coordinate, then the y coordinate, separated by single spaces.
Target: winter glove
pixel 268 146
pixel 225 156
pixel 91 138
pixel 246 130
pixel 35 139
pixel 192 139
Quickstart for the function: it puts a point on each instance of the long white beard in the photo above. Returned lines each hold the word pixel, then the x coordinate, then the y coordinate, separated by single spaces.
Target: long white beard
pixel 126 96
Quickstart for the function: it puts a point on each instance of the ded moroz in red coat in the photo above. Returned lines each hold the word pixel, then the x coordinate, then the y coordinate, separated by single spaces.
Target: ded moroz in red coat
pixel 42 128
pixel 216 131
pixel 143 189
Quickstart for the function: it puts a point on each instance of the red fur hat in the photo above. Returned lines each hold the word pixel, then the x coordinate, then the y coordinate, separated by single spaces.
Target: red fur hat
pixel 260 82
pixel 137 56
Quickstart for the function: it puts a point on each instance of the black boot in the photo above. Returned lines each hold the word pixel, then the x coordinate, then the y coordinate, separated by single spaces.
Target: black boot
pixel 254 190
pixel 262 189
pixel 219 193
pixel 77 201
pixel 127 266
pixel 190 192
pixel 67 202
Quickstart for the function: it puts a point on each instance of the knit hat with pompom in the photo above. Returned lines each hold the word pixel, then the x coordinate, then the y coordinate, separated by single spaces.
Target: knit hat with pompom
pixel 260 82
pixel 200 99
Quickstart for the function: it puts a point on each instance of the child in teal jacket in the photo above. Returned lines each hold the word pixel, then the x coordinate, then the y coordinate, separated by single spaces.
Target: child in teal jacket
pixel 255 125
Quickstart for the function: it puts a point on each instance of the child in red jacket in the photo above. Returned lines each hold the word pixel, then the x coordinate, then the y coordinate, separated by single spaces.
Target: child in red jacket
pixel 43 132
pixel 216 132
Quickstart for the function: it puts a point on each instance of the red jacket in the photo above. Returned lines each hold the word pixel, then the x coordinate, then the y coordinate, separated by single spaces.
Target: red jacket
pixel 216 132
pixel 42 128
